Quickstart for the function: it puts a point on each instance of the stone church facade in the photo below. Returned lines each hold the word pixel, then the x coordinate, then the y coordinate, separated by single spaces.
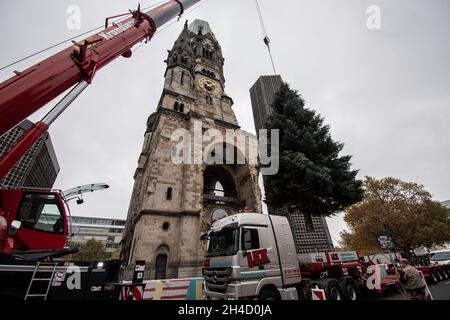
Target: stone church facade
pixel 173 205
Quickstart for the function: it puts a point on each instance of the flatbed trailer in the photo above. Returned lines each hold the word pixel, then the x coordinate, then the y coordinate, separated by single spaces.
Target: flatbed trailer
pixel 435 273
pixel 346 274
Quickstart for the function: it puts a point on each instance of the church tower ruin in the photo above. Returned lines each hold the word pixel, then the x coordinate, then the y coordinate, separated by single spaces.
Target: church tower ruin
pixel 173 205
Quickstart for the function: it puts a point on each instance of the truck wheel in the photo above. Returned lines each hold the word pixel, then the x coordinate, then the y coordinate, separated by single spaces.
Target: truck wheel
pixel 313 285
pixel 334 291
pixel 448 272
pixel 351 290
pixel 434 278
pixel 269 295
pixel 439 275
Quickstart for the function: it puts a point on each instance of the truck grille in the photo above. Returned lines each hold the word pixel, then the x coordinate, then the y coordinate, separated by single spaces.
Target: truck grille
pixel 217 279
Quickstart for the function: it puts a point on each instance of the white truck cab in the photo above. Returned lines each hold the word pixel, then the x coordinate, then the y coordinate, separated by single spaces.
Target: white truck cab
pixel 251 256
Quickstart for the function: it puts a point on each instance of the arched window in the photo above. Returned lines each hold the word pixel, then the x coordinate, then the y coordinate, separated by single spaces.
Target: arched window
pixel 182 78
pixel 161 266
pixel 176 106
pixel 218 182
pixel 169 194
pixel 182 108
pixel 218 214
pixel 162 257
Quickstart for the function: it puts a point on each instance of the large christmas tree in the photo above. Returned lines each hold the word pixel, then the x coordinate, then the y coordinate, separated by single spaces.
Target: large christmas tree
pixel 313 177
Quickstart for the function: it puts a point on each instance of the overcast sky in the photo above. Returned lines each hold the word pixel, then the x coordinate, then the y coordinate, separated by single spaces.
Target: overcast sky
pixel 385 93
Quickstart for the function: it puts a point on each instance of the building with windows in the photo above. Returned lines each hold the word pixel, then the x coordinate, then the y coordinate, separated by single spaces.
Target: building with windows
pixel 38 168
pixel 107 231
pixel 262 94
pixel 311 234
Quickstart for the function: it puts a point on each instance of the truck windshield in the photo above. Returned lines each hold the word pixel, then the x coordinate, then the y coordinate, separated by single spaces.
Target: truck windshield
pixel 440 256
pixel 223 243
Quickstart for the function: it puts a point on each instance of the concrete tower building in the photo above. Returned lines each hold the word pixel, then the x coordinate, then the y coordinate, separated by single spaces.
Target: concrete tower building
pixel 173 205
pixel 38 168
pixel 262 94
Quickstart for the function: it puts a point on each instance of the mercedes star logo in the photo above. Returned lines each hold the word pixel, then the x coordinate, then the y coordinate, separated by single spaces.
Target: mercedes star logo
pixel 215 276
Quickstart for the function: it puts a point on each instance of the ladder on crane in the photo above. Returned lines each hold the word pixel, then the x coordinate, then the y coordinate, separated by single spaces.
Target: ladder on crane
pixel 40 275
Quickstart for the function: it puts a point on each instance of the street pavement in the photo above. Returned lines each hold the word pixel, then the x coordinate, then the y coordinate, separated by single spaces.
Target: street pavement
pixel 439 291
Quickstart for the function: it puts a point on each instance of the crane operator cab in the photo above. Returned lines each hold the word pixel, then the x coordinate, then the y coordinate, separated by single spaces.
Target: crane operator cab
pixel 35 222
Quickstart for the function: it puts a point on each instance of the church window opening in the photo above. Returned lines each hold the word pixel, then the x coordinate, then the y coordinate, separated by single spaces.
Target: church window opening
pixel 166 226
pixel 218 214
pixel 182 78
pixel 218 182
pixel 182 108
pixel 219 191
pixel 169 193
pixel 161 266
pixel 176 106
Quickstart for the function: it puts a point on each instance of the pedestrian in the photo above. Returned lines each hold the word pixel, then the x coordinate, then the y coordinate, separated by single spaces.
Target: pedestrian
pixel 412 282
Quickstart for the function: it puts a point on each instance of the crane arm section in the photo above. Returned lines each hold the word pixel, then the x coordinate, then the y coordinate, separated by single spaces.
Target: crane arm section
pixel 31 89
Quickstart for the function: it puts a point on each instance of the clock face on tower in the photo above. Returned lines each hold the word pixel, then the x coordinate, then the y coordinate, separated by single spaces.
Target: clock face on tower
pixel 209 86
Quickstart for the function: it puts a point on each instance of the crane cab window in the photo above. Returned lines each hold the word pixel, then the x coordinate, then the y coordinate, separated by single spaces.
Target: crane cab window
pixel 250 239
pixel 41 212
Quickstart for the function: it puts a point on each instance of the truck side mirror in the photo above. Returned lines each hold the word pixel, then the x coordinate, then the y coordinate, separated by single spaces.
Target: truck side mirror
pixel 14 227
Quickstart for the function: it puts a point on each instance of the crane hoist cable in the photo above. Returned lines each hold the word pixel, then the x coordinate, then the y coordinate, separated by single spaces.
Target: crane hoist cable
pixel 266 37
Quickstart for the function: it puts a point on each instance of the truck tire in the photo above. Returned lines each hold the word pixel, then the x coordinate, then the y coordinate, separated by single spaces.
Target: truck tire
pixel 269 295
pixel 351 289
pixel 334 290
pixel 434 277
pixel 439 275
pixel 313 285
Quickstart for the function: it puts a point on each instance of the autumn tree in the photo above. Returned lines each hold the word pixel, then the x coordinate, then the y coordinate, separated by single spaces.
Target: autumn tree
pixel 92 250
pixel 313 177
pixel 401 210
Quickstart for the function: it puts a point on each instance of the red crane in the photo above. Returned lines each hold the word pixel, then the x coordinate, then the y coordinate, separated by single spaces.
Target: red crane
pixel 22 227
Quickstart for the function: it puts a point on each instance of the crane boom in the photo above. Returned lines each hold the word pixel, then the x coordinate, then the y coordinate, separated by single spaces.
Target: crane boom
pixel 31 89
